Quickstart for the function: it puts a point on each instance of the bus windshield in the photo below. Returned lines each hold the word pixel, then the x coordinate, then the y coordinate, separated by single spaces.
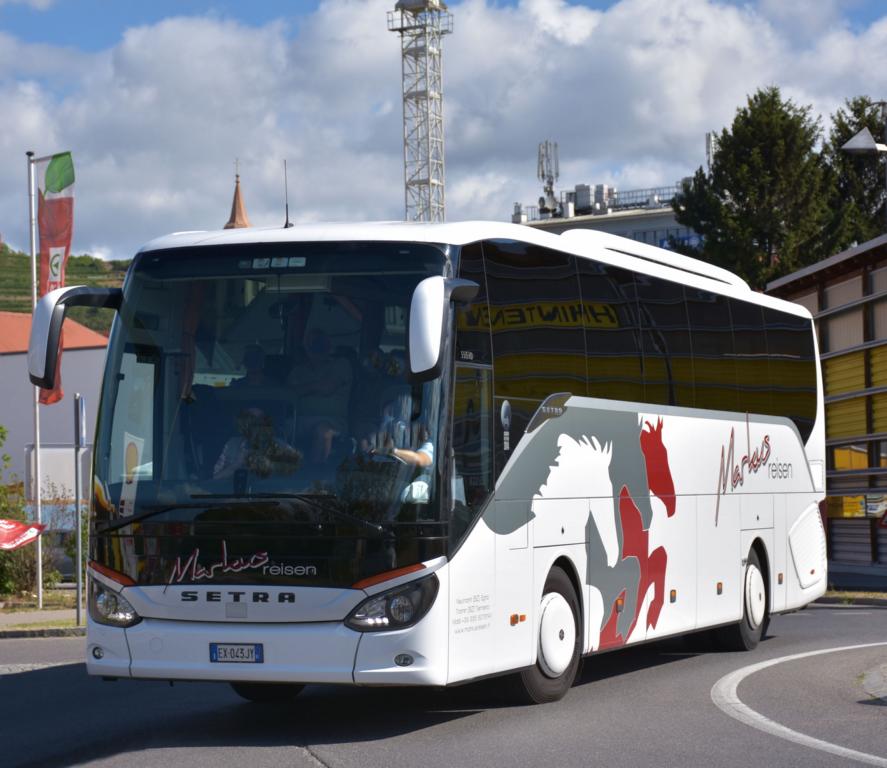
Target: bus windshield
pixel 267 383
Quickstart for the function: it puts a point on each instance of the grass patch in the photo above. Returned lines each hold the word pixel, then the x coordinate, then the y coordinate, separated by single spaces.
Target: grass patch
pixel 53 600
pixel 57 624
pixel 848 596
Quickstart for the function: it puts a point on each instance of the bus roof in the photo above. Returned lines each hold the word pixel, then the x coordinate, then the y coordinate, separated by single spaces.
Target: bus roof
pixel 587 243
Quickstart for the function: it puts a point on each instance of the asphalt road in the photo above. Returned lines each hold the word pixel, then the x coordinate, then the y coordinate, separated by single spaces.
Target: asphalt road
pixel 645 706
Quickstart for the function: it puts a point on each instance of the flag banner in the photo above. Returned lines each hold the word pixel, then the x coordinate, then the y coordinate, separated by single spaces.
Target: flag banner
pixel 55 224
pixel 15 534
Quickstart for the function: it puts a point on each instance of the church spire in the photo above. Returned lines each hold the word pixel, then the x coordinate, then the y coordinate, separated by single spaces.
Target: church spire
pixel 238 209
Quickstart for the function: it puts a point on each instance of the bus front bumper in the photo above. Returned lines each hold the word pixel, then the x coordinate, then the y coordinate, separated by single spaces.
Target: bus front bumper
pixel 321 652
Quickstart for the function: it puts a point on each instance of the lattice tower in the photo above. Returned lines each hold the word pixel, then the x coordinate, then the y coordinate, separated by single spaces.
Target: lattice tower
pixel 422 24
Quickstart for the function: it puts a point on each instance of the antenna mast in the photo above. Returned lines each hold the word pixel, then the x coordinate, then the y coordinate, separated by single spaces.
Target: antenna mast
pixel 548 171
pixel 286 198
pixel 422 24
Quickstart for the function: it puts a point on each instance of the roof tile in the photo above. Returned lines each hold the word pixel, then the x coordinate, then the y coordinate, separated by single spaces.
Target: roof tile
pixel 15 331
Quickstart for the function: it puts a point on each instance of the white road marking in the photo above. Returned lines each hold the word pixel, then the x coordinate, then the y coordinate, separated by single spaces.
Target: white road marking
pixel 724 695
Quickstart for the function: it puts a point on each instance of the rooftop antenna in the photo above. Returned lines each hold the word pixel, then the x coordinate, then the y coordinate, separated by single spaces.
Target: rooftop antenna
pixel 286 198
pixel 548 172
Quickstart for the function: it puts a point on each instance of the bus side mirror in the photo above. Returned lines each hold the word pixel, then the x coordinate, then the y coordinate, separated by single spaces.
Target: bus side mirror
pixel 428 312
pixel 46 326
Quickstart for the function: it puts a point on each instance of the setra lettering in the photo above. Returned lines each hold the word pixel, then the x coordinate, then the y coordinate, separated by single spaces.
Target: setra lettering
pixel 216 596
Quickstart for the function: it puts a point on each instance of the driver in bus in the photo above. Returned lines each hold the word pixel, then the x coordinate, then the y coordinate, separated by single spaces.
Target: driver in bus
pixel 419 490
pixel 422 457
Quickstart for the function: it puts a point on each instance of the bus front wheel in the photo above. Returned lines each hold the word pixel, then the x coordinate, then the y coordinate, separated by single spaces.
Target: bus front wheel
pixel 558 643
pixel 267 693
pixel 746 635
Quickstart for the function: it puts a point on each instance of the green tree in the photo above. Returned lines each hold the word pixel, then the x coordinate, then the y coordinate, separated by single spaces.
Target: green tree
pixel 761 209
pixel 855 182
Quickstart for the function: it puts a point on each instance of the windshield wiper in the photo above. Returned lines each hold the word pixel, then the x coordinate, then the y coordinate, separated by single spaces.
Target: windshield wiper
pixel 144 515
pixel 312 499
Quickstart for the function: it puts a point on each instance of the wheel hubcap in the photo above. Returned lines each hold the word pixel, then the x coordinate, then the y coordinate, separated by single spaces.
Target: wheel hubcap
pixel 557 634
pixel 755 596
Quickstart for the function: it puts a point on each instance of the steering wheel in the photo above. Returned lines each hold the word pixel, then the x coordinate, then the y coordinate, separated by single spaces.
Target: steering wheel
pixel 385 457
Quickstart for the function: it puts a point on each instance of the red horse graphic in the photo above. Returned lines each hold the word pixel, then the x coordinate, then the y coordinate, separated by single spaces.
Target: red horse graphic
pixel 635 539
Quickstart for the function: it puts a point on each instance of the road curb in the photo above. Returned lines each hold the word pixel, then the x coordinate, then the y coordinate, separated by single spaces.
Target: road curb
pixel 17 634
pixel 873 601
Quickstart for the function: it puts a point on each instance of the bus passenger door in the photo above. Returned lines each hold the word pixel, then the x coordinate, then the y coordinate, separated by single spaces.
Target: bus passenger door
pixel 719 578
pixel 473 640
pixel 514 586
pixel 778 587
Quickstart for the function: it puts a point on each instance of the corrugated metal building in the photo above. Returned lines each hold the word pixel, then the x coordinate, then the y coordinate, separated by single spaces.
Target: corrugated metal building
pixel 847 294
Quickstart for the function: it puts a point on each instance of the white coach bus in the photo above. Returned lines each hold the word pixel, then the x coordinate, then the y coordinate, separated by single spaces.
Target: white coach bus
pixel 403 454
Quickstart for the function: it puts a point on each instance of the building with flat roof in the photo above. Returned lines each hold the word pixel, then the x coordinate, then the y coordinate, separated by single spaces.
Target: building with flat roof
pixel 847 295
pixel 644 215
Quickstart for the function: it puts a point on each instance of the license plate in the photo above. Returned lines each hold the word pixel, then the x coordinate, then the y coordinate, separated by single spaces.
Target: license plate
pixel 236 653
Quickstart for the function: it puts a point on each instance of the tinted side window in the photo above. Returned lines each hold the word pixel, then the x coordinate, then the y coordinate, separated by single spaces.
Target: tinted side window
pixel 612 332
pixel 473 320
pixel 792 368
pixel 750 350
pixel 714 369
pixel 472 468
pixel 536 321
pixel 668 363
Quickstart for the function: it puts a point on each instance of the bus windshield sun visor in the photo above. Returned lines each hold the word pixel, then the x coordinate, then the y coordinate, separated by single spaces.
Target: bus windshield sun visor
pixel 46 325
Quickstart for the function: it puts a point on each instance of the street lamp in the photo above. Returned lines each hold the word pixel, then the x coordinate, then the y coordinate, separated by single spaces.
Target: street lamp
pixel 864 143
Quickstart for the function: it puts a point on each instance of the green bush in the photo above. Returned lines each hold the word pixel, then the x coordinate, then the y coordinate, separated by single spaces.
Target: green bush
pixel 18 569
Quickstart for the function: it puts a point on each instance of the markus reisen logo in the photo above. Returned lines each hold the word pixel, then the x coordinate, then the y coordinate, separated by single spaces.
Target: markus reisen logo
pixel 278 569
pixel 192 570
pixel 733 470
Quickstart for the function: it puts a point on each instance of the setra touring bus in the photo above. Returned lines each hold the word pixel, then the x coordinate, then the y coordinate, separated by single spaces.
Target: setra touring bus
pixel 408 454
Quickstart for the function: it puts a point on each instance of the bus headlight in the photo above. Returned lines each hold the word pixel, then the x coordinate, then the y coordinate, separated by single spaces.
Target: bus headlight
pixel 397 608
pixel 108 607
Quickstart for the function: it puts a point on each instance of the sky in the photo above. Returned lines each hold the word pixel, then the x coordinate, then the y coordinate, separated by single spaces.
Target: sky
pixel 157 99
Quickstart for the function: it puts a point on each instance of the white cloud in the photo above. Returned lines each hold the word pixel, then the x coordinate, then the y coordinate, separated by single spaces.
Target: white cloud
pixel 37 5
pixel 99 251
pixel 156 121
pixel 570 24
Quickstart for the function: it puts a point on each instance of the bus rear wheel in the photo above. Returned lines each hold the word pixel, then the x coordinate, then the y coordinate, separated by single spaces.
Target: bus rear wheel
pixel 558 643
pixel 746 635
pixel 267 693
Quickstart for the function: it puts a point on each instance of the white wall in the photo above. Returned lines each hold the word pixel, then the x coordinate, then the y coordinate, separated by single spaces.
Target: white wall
pixel 81 372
